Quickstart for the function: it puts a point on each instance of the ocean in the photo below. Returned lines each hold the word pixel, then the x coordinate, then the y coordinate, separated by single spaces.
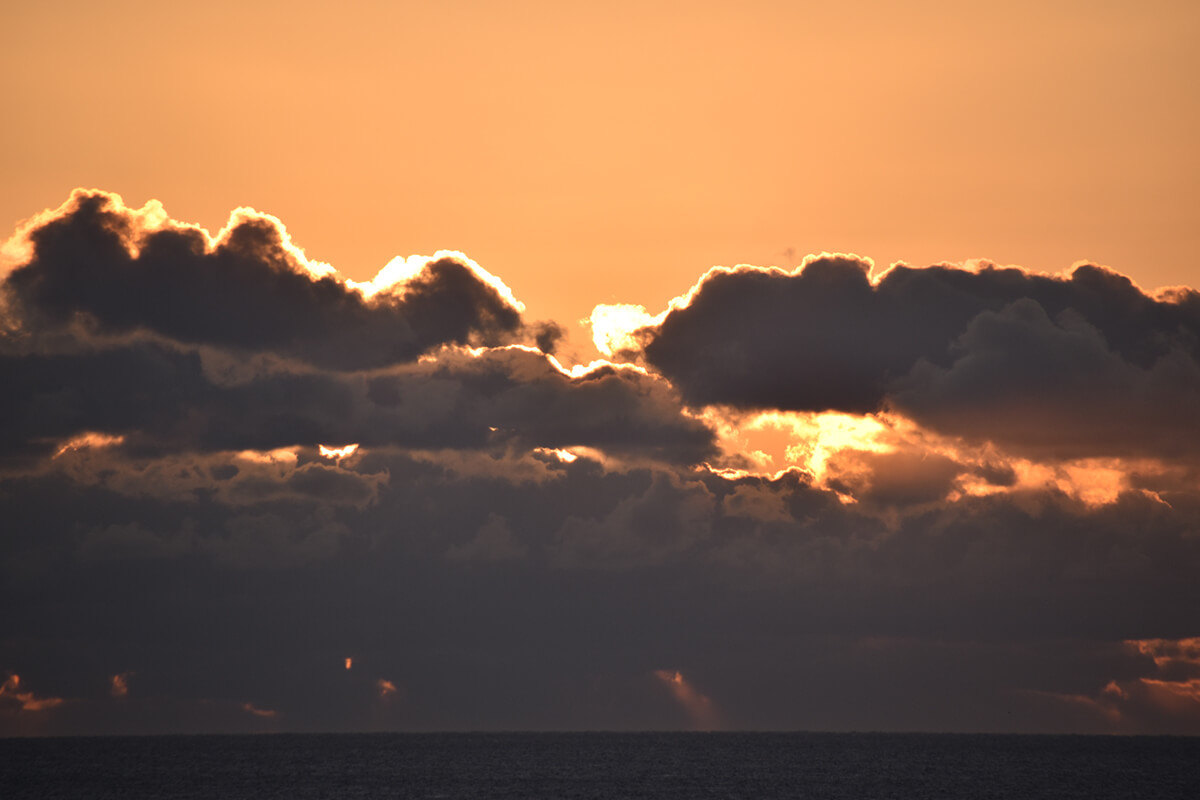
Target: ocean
pixel 602 765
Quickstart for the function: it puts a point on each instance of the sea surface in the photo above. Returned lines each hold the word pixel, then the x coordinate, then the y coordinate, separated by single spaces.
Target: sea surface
pixel 602 765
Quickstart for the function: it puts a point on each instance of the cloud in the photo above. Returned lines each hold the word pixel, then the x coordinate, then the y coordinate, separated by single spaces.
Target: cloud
pixel 672 516
pixel 1037 364
pixel 1162 697
pixel 11 694
pixel 546 592
pixel 901 478
pixel 517 544
pixel 698 706
pixel 494 541
pixel 1055 389
pixel 115 270
pixel 1179 657
pixel 124 328
pixel 163 398
pixel 120 684
pixel 519 396
pixel 265 713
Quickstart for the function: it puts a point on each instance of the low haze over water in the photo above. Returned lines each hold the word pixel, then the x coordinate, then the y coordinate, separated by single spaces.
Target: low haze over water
pixel 602 765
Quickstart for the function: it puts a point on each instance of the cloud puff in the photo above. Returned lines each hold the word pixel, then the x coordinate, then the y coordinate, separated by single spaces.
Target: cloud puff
pixel 1043 365
pixel 116 270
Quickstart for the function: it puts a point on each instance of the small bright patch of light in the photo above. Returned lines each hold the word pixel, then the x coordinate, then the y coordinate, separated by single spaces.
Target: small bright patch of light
pixel 88 440
pixel 283 455
pixel 337 453
pixel 565 456
pixel 613 326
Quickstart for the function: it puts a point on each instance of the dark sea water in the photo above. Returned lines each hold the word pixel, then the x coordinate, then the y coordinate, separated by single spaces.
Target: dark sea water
pixel 602 765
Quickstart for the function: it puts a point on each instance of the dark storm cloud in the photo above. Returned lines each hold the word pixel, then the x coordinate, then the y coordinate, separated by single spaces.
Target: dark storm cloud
pixel 98 263
pixel 1067 367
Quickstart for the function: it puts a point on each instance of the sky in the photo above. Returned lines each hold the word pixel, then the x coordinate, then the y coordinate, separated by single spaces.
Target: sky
pixel 553 366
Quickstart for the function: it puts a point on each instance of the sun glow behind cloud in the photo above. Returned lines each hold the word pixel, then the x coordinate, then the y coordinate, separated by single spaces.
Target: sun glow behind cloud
pixel 614 327
pixel 777 440
pixel 337 453
pixel 825 445
pixel 817 436
pixel 283 456
pixel 565 456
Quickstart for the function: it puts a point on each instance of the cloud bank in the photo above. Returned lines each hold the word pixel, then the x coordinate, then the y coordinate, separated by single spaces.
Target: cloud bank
pixel 241 493
pixel 1039 364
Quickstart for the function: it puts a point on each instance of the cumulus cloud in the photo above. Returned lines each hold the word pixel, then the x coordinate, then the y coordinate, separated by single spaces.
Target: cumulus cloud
pixel 386 470
pixel 1078 366
pixel 126 325
pixel 115 270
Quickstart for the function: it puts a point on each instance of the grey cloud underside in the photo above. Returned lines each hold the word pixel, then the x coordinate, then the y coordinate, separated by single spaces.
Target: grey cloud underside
pixel 163 400
pixel 1043 365
pixel 248 293
pixel 500 603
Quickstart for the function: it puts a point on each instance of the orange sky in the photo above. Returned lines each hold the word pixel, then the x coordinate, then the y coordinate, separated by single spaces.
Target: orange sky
pixel 612 152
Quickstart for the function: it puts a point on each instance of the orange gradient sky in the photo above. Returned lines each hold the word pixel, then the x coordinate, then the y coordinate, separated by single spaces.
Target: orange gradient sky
pixel 612 152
